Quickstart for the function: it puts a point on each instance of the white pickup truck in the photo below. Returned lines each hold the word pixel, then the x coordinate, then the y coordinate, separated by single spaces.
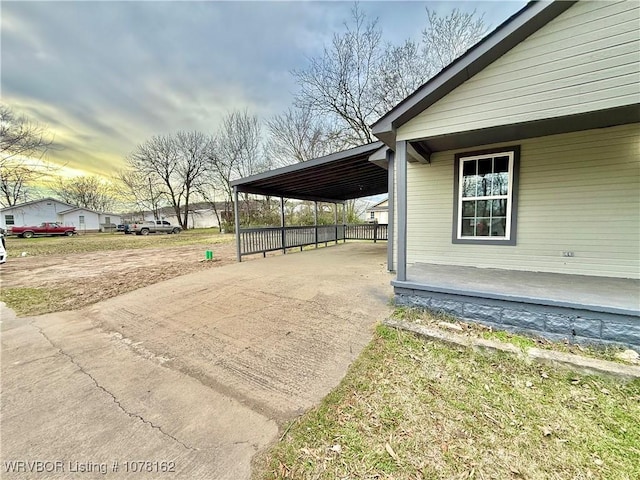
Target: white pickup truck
pixel 157 226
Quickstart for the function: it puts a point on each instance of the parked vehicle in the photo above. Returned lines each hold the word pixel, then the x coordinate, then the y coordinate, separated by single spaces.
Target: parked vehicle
pixel 44 229
pixel 158 226
pixel 121 228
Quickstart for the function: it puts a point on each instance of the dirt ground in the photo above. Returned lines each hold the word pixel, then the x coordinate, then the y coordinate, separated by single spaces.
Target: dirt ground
pixel 87 278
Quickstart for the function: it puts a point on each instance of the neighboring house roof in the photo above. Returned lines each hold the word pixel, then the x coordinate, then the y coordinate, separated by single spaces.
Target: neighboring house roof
pixel 33 202
pixel 64 212
pixel 378 207
pixel 507 35
pixel 380 203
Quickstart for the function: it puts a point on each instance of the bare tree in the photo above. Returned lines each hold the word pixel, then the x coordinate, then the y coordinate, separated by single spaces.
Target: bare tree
pixel 446 38
pixel 139 190
pixel 87 192
pixel 339 83
pixel 401 71
pixel 237 152
pixel 23 146
pixel 174 165
pixel 194 149
pixel 358 78
pixel 298 135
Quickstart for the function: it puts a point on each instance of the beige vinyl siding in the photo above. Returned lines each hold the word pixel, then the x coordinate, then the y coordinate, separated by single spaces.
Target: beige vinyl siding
pixel 579 192
pixel 585 59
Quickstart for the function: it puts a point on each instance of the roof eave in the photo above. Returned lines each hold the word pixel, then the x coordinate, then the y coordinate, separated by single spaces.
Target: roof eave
pixel 352 152
pixel 514 30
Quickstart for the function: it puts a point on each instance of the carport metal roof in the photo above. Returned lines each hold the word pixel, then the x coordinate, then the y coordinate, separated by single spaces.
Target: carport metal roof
pixel 335 178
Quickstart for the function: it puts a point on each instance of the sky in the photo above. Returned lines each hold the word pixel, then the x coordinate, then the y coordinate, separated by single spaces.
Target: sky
pixel 106 76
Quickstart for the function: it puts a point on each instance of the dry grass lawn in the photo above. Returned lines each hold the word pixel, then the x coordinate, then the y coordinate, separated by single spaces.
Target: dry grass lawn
pixel 414 409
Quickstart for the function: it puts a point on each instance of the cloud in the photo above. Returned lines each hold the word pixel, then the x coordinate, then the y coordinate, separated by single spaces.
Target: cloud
pixel 105 76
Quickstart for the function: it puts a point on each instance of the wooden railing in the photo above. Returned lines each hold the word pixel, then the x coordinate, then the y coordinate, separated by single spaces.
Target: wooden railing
pixel 269 239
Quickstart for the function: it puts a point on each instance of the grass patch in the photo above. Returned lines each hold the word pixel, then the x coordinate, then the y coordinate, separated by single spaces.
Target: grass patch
pixel 97 242
pixel 34 301
pixel 517 340
pixel 410 408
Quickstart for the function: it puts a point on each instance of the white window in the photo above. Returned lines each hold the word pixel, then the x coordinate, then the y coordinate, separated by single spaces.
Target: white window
pixel 81 219
pixel 485 197
pixel 9 220
pixel 373 215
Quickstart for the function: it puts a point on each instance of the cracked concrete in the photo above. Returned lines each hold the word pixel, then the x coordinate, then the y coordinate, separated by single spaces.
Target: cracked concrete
pixel 201 370
pixel 115 400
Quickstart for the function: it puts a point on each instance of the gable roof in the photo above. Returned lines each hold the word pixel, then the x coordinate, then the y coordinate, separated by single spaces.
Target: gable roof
pixel 32 202
pixel 514 30
pixel 378 205
pixel 64 212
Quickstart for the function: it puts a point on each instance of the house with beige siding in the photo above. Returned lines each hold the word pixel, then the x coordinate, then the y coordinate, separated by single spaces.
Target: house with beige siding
pixel 516 177
pixel 378 213
pixel 513 179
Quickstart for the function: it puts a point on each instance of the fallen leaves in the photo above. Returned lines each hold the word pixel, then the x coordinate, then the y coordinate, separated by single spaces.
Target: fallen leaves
pixel 391 452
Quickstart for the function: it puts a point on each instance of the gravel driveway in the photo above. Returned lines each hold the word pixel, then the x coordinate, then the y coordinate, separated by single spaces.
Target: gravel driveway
pixel 195 374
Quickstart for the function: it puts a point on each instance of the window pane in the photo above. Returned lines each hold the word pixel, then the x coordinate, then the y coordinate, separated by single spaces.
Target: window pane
pixel 498 226
pixel 483 208
pixel 500 184
pixel 468 229
pixel 469 168
pixel 484 166
pixel 469 208
pixel 484 178
pixel 482 227
pixel 499 208
pixel 469 179
pixel 501 164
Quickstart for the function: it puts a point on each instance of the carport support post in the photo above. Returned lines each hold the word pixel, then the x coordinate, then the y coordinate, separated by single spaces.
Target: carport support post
pixel 401 195
pixel 236 214
pixel 335 219
pixel 391 215
pixel 344 222
pixel 284 235
pixel 315 221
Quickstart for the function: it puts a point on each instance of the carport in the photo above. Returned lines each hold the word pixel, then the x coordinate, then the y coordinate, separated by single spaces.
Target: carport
pixel 355 173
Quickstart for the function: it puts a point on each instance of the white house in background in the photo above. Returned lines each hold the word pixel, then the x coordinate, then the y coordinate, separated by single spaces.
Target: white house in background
pixel 33 213
pixel 198 218
pixel 87 220
pixel 201 215
pixel 378 213
pixel 52 210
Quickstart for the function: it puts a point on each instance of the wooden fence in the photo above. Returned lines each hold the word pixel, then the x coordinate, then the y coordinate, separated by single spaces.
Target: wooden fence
pixel 268 239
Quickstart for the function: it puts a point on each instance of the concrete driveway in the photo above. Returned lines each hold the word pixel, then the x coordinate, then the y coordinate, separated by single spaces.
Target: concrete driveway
pixel 188 378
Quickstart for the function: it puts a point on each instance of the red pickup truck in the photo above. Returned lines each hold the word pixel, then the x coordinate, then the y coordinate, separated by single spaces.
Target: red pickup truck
pixel 46 228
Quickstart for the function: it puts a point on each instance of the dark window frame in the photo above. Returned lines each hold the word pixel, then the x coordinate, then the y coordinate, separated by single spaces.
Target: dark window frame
pixel 6 220
pixel 514 187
